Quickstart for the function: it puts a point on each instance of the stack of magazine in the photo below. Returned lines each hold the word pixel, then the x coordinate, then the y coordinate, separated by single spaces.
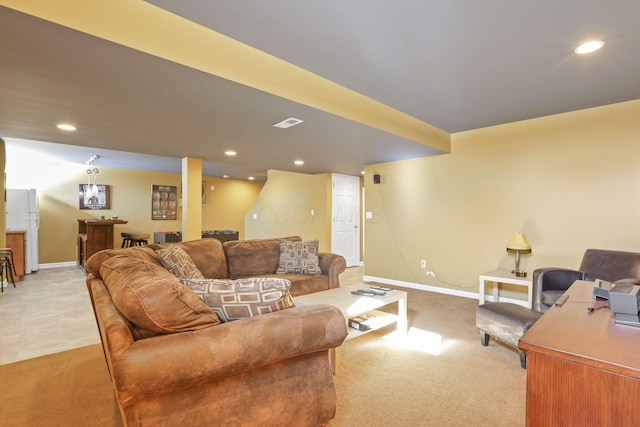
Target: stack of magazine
pixel 364 322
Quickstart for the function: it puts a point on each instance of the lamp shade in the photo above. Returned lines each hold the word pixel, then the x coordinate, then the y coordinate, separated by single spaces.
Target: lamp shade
pixel 518 243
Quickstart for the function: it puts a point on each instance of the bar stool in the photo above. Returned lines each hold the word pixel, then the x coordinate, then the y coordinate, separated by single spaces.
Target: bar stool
pixel 7 267
pixel 134 238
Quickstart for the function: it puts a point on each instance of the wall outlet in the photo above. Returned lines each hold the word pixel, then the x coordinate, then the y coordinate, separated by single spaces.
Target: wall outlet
pixel 423 263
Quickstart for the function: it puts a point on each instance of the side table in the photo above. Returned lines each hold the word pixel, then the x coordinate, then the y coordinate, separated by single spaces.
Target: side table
pixel 503 276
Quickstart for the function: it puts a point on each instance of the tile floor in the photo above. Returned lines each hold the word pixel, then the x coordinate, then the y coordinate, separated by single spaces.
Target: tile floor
pixel 50 311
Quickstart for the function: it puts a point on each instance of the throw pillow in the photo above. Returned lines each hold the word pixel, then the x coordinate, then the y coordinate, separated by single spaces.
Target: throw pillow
pixel 152 298
pixel 178 262
pixel 299 257
pixel 242 298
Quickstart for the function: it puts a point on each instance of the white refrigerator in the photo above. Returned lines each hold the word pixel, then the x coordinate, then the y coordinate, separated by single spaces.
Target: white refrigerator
pixel 23 214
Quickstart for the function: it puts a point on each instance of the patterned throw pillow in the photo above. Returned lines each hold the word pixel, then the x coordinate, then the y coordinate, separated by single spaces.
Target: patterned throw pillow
pixel 242 298
pixel 299 257
pixel 178 262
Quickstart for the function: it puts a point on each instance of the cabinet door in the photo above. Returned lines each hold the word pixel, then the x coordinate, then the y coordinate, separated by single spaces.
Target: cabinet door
pixel 16 242
pixel 99 237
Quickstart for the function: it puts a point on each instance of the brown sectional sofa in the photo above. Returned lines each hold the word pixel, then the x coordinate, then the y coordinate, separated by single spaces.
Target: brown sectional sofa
pixel 239 259
pixel 272 369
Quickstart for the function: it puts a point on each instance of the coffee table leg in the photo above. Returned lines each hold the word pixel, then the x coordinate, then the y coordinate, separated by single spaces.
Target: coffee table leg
pixel 402 325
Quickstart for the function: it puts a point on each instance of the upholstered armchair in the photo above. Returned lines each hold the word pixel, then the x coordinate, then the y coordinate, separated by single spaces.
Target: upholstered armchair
pixel 550 283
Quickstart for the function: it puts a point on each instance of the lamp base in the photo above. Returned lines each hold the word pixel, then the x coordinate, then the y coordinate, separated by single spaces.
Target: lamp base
pixel 519 273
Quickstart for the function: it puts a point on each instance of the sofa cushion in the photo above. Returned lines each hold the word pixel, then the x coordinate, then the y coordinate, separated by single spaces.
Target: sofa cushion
pixel 142 252
pixel 299 257
pixel 207 255
pixel 178 262
pixel 253 257
pixel 152 298
pixel 302 284
pixel 242 298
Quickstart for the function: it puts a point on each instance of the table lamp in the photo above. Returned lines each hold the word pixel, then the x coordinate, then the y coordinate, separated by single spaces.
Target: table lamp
pixel 518 245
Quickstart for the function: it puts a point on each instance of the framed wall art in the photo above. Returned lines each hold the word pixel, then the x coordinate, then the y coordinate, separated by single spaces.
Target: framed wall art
pixel 164 201
pixel 94 196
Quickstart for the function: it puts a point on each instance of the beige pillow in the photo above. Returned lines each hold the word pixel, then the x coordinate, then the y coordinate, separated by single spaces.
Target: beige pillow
pixel 178 262
pixel 242 298
pixel 152 298
pixel 299 257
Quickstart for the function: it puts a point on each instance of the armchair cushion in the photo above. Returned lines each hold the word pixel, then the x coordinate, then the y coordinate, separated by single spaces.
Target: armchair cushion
pixel 549 298
pixel 242 298
pixel 152 298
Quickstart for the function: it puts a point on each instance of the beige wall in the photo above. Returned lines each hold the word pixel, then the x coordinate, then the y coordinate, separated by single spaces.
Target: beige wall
pixel 284 206
pixel 57 186
pixel 569 182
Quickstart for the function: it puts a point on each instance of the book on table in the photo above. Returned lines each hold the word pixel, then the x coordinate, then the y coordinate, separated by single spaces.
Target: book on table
pixel 366 322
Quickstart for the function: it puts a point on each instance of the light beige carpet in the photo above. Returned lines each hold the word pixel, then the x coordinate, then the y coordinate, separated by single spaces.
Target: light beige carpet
pixel 70 388
pixel 439 376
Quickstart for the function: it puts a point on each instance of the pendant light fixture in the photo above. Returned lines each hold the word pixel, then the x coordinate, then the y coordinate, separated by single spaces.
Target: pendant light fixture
pixel 92 187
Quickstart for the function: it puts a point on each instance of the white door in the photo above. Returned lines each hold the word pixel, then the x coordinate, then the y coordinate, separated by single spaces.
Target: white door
pixel 345 207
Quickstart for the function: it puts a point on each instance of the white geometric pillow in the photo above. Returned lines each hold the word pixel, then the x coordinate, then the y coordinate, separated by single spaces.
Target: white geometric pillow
pixel 242 298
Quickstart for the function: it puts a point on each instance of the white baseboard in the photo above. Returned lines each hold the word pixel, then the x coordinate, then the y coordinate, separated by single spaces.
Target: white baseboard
pixel 57 264
pixel 439 290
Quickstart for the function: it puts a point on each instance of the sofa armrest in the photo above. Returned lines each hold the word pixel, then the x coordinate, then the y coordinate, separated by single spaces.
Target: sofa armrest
pixel 165 363
pixel 332 265
pixel 551 278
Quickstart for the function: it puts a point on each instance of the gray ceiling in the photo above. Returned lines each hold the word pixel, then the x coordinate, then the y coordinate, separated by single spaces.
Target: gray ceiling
pixel 455 64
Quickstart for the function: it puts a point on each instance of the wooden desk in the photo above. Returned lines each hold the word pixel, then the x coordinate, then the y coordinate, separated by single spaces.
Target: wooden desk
pixel 94 235
pixel 583 369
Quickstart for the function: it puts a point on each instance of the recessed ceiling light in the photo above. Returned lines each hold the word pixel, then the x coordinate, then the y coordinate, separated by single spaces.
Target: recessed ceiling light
pixel 225 176
pixel 230 153
pixel 66 126
pixel 299 162
pixel 251 178
pixel 287 123
pixel 588 47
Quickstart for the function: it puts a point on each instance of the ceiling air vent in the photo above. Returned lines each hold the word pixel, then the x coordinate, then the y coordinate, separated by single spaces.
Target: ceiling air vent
pixel 287 123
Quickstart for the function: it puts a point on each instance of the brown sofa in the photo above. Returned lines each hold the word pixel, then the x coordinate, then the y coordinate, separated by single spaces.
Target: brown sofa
pixel 239 259
pixel 189 369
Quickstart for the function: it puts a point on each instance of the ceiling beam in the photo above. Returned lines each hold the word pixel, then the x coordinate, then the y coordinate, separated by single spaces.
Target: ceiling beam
pixel 142 26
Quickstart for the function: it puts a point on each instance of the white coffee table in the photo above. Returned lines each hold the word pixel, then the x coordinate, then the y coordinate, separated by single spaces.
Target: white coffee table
pixel 354 305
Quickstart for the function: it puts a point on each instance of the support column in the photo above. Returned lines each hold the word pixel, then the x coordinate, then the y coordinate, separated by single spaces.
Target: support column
pixel 191 199
pixel 3 185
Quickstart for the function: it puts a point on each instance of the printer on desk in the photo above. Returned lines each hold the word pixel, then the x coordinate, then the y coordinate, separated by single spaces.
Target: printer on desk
pixel 624 301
